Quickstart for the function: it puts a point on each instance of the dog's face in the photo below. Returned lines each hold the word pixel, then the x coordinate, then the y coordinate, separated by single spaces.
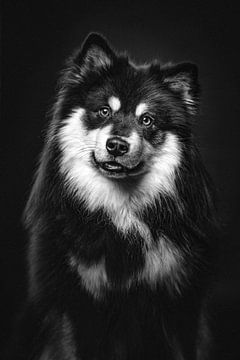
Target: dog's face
pixel 121 121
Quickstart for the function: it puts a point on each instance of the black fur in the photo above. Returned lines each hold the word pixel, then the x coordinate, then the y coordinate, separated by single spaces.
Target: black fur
pixel 62 320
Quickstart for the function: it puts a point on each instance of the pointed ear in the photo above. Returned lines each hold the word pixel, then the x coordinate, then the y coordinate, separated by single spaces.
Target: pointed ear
pixel 95 54
pixel 182 79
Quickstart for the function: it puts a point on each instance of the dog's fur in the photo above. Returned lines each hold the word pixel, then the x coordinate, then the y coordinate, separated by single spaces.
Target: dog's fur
pixel 120 244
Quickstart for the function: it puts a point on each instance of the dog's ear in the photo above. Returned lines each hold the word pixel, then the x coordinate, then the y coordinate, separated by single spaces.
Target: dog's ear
pixel 95 54
pixel 182 79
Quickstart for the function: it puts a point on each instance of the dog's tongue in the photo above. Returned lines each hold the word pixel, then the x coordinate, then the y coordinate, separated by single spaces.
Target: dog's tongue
pixel 113 166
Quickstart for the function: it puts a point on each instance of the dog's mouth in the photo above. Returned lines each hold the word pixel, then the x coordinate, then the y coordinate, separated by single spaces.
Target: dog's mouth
pixel 112 166
pixel 116 170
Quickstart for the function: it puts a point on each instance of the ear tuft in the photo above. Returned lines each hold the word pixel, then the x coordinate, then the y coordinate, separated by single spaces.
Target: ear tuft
pixel 182 79
pixel 95 54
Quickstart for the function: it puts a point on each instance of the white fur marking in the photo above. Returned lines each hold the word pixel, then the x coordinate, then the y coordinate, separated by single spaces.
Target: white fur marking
pixel 161 175
pixel 161 261
pixel 93 277
pixel 114 103
pixel 126 220
pixel 134 141
pixel 140 109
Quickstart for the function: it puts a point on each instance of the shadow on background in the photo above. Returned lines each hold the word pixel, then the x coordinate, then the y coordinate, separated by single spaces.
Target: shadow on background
pixel 36 41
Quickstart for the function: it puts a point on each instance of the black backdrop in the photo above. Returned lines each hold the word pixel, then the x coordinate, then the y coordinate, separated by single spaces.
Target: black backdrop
pixel 36 40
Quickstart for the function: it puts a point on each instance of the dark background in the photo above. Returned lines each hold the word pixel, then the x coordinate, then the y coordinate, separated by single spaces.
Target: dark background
pixel 37 38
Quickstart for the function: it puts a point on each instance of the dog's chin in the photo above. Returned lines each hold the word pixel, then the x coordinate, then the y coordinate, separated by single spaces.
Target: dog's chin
pixel 115 170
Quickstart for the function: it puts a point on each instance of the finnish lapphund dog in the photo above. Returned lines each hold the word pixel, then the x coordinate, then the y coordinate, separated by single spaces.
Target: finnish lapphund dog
pixel 120 217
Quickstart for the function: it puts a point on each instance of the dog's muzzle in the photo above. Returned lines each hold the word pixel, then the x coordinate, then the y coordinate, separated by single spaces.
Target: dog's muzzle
pixel 119 159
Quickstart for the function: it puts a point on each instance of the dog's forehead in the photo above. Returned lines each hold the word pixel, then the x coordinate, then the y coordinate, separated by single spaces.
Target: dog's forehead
pixel 138 108
pixel 126 92
pixel 133 105
pixel 136 101
pixel 137 91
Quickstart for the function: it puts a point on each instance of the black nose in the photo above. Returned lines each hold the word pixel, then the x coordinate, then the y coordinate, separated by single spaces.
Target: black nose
pixel 117 147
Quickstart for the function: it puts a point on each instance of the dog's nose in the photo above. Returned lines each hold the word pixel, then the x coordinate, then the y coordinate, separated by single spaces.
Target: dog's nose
pixel 117 147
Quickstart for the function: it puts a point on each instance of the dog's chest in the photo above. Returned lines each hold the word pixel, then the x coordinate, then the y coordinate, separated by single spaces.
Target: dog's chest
pixel 132 257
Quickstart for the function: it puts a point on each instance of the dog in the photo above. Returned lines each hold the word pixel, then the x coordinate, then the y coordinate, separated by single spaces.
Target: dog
pixel 120 217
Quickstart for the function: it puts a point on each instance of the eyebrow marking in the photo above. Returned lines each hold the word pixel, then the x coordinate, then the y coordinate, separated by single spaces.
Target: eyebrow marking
pixel 114 103
pixel 140 109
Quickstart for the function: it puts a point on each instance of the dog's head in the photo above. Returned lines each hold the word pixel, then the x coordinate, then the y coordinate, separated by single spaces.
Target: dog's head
pixel 120 121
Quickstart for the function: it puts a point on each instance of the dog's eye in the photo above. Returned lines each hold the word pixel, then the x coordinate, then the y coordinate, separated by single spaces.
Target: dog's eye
pixel 147 120
pixel 104 112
